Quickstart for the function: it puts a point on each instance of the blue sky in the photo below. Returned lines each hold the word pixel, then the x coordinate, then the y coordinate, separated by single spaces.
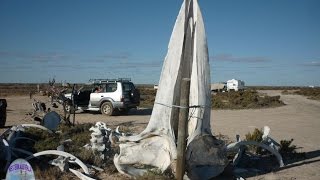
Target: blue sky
pixel 263 42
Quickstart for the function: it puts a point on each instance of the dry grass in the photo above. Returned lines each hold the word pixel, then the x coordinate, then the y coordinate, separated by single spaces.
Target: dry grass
pixel 256 135
pixel 311 93
pixel 80 135
pixel 249 99
pixel 147 96
pixel 157 175
pixel 44 171
pixel 287 149
pixel 7 89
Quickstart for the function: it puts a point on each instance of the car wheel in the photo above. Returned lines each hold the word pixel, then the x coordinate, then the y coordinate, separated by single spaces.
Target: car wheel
pixel 106 109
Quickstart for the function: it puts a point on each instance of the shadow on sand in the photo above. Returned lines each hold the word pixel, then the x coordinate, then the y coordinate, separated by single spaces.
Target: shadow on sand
pixel 141 111
pixel 270 163
pixel 308 159
pixel 6 127
pixel 130 123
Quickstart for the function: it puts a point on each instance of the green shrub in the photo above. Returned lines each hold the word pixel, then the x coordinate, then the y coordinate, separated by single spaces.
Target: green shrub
pixel 256 135
pixel 286 147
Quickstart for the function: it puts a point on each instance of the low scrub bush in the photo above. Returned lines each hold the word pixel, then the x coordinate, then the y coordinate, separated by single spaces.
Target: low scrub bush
pixel 249 99
pixel 311 93
pixel 147 96
pixel 287 149
pixel 80 136
pixel 256 135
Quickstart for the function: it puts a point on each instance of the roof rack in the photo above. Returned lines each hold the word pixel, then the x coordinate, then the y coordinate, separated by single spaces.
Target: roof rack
pixel 101 81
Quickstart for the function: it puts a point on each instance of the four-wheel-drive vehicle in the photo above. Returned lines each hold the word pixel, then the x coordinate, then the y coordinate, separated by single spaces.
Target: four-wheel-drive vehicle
pixel 107 96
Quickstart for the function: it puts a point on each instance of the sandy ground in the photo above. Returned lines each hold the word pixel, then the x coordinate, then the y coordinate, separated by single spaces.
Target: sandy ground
pixel 299 119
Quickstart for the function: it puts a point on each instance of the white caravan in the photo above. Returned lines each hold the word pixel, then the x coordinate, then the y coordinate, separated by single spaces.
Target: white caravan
pixel 235 85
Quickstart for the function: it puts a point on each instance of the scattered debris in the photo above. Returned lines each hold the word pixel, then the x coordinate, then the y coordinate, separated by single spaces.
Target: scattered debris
pixel 51 120
pixel 63 160
pixel 8 142
pixel 10 150
pixel 243 158
pixel 57 95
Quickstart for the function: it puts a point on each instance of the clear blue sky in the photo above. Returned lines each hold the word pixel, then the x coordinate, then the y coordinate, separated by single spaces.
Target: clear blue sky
pixel 263 42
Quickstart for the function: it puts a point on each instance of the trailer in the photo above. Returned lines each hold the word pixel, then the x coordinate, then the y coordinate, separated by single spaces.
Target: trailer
pixel 219 87
pixel 235 85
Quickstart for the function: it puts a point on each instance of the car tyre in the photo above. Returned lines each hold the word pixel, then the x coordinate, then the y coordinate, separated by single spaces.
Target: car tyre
pixel 107 109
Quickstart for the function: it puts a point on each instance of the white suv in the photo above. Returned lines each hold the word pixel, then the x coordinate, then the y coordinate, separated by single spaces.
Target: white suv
pixel 107 96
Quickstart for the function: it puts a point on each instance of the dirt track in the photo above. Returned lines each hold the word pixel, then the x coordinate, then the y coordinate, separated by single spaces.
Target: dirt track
pixel 299 119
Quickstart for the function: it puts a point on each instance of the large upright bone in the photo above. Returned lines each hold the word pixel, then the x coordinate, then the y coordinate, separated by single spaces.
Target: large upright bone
pixel 158 138
pixel 187 57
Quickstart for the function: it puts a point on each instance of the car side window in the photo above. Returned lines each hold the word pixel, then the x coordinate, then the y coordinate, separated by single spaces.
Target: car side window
pixel 127 86
pixel 111 87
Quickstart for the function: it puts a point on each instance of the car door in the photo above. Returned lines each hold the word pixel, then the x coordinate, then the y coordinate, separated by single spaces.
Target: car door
pixel 132 93
pixel 97 95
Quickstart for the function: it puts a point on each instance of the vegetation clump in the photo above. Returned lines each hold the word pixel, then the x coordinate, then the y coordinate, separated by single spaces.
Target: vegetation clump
pixel 158 175
pixel 311 93
pixel 256 135
pixel 249 99
pixel 79 135
pixel 286 149
pixel 147 97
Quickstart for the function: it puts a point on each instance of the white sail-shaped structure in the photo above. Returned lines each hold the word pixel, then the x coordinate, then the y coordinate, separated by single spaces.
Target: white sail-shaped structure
pixel 187 57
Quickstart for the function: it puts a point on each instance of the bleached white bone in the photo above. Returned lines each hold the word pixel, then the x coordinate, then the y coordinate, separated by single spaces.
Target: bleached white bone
pixel 37 126
pixel 187 57
pixel 236 145
pixel 61 162
pixel 241 150
pixel 100 139
pixel 266 131
pixel 8 152
pixel 94 167
pixel 61 153
pixel 117 130
pixel 266 139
